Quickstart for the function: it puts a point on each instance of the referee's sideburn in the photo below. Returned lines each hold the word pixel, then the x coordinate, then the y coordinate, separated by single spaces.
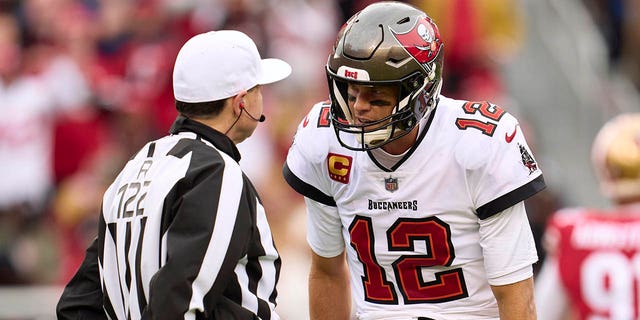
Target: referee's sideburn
pixel 182 232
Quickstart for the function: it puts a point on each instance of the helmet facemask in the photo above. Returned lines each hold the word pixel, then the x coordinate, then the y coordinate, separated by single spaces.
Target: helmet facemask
pixel 416 98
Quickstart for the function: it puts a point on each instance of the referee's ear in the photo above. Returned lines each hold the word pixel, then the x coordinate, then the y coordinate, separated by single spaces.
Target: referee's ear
pixel 237 102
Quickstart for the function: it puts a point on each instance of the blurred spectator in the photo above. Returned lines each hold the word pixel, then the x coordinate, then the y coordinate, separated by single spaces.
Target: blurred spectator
pixel 609 16
pixel 350 7
pixel 36 86
pixel 630 60
pixel 618 23
pixel 480 37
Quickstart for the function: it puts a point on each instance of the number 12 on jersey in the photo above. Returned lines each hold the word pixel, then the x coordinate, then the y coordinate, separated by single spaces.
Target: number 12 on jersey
pixel 449 285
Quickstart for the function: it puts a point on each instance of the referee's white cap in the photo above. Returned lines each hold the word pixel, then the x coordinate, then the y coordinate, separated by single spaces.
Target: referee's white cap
pixel 219 64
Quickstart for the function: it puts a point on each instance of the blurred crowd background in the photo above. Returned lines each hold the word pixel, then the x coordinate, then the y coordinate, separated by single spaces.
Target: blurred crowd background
pixel 85 83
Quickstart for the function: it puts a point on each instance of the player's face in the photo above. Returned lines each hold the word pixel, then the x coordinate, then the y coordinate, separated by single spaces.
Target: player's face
pixel 371 103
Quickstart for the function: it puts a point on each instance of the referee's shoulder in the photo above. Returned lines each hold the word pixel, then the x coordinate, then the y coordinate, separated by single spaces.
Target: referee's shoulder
pixel 204 155
pixel 196 148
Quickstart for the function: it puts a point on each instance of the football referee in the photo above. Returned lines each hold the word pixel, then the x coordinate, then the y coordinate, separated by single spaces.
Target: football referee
pixel 182 231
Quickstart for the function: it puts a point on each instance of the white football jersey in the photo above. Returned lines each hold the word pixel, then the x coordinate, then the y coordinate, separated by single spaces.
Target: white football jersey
pixel 426 237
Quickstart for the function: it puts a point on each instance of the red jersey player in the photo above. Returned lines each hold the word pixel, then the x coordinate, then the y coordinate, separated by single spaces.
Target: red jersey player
pixel 593 270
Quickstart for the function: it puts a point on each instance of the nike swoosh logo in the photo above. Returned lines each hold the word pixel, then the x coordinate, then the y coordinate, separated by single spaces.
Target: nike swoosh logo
pixel 305 122
pixel 509 137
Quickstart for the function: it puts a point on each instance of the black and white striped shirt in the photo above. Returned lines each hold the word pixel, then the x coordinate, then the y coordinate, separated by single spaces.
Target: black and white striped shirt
pixel 182 235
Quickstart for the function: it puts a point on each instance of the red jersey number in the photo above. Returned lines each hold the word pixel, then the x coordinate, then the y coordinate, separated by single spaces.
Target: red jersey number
pixel 492 112
pixel 449 285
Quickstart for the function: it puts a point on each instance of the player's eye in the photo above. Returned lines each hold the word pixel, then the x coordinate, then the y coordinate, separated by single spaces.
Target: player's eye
pixel 380 103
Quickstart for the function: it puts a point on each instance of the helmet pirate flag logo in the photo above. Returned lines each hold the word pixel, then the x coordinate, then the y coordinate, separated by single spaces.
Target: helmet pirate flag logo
pixel 423 41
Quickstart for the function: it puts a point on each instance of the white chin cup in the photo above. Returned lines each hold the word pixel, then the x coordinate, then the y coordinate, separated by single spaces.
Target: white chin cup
pixel 376 137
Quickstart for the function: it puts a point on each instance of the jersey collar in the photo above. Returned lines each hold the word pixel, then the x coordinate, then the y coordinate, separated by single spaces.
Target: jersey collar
pixel 219 140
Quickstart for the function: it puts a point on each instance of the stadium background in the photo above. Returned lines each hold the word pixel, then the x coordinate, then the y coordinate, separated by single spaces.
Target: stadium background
pixel 84 83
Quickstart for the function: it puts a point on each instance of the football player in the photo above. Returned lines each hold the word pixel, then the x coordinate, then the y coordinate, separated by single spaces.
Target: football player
pixel 593 266
pixel 414 200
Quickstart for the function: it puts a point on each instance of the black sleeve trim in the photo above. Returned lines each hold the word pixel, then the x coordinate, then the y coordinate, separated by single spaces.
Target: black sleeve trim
pixel 511 198
pixel 306 189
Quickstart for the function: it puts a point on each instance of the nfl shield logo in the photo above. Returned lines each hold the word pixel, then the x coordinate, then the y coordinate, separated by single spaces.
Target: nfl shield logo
pixel 391 184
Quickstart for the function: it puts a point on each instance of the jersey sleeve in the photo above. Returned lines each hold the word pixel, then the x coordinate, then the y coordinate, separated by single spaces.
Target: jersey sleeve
pixel 324 229
pixel 502 168
pixel 304 169
pixel 508 246
pixel 82 296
